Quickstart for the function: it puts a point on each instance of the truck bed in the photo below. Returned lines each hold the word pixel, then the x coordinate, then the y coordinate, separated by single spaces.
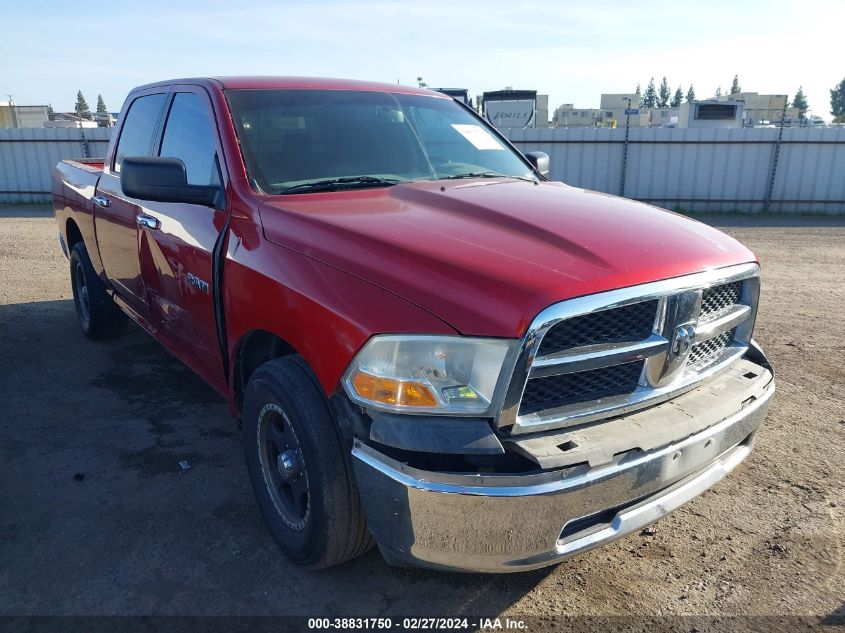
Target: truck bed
pixel 86 164
pixel 74 185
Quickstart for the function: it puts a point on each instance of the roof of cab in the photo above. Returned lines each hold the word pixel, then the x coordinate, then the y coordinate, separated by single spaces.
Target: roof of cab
pixel 295 83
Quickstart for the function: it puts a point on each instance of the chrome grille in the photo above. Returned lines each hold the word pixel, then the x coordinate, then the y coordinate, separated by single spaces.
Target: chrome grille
pixel 597 356
pixel 565 389
pixel 629 323
pixel 704 353
pixel 720 298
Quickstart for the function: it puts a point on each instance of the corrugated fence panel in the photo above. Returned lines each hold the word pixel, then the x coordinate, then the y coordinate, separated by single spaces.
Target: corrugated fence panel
pixel 700 169
pixel 28 156
pixel 689 169
pixel 811 167
pixel 696 169
pixel 586 157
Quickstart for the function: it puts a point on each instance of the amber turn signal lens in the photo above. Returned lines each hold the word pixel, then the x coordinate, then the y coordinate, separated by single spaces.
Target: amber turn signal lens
pixel 405 393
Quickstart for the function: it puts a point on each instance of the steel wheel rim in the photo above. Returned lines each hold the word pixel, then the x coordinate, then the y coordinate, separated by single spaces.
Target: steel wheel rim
pixel 83 298
pixel 283 466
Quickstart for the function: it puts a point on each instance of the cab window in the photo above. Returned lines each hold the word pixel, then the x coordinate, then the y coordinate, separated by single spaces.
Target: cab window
pixel 190 136
pixel 136 136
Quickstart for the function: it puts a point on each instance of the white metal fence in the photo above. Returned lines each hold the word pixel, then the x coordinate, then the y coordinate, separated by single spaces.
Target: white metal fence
pixel 28 156
pixel 691 169
pixel 797 170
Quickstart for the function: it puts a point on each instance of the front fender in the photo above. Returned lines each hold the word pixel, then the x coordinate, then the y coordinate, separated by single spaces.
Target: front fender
pixel 325 314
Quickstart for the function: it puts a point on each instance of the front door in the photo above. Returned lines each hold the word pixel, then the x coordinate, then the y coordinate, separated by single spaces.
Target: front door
pixel 177 242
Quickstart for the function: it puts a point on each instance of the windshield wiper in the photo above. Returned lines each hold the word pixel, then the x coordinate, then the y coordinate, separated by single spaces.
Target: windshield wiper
pixel 342 183
pixel 486 174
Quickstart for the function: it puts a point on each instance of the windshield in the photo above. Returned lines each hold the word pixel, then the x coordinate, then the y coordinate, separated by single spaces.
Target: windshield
pixel 310 140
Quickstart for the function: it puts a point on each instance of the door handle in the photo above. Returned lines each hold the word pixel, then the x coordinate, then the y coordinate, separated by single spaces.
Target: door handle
pixel 101 201
pixel 148 221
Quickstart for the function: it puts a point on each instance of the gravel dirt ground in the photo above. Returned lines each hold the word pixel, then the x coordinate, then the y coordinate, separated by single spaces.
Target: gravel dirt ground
pixel 96 517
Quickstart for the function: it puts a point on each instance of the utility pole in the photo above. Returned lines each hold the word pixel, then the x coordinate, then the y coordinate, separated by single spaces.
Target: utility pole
pixel 12 113
pixel 771 188
pixel 625 149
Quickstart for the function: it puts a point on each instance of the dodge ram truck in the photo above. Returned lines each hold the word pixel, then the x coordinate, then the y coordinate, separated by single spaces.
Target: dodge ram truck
pixel 427 344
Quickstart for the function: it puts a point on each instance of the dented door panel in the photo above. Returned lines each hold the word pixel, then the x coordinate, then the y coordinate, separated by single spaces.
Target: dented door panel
pixel 176 265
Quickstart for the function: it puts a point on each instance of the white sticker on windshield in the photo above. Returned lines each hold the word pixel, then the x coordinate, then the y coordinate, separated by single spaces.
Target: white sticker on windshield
pixel 478 136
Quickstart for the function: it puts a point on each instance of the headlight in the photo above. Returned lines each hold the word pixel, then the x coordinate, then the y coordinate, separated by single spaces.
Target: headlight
pixel 428 374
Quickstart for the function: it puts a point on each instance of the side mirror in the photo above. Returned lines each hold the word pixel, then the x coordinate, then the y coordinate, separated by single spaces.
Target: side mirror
pixel 164 180
pixel 540 161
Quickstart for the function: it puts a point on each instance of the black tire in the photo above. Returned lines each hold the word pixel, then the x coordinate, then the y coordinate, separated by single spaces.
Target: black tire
pixel 300 467
pixel 99 317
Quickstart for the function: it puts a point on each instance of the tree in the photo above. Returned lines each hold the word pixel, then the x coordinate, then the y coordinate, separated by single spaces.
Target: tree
pixel 690 94
pixel 837 99
pixel 665 94
pixel 421 83
pixel 101 105
pixel 51 116
pixel 676 100
pixel 81 108
pixel 649 99
pixel 800 102
pixel 718 92
pixel 735 87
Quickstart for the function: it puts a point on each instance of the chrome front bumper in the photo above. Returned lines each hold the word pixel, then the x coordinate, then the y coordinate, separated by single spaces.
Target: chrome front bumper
pixel 508 523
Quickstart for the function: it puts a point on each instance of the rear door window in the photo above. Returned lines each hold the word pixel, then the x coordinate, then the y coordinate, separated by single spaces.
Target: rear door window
pixel 136 137
pixel 190 136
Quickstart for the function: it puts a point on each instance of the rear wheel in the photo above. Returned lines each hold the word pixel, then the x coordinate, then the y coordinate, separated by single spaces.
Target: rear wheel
pixel 300 467
pixel 98 315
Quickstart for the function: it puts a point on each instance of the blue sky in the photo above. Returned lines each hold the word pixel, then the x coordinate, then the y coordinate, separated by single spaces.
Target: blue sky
pixel 572 50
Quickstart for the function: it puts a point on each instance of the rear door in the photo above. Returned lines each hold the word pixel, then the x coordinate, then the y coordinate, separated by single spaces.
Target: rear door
pixel 176 248
pixel 116 216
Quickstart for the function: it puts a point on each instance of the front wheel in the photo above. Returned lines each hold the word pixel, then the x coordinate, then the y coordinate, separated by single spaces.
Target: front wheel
pixel 300 467
pixel 98 315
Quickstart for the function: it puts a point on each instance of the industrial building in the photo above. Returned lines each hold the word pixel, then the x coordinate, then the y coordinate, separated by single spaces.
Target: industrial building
pixel 65 119
pixel 711 113
pixel 34 116
pixel 613 108
pixel 736 110
pixel 762 109
pixel 567 115
pixel 542 117
pixel 756 109
pixel 664 117
pixel 16 116
pixel 611 113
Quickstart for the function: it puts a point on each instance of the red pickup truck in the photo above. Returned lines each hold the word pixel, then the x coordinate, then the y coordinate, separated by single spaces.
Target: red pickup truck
pixel 427 344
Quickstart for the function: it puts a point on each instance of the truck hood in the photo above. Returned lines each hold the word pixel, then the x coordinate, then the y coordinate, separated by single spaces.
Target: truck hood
pixel 486 256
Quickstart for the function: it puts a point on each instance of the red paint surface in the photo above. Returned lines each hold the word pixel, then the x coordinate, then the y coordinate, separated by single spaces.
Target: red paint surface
pixel 326 271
